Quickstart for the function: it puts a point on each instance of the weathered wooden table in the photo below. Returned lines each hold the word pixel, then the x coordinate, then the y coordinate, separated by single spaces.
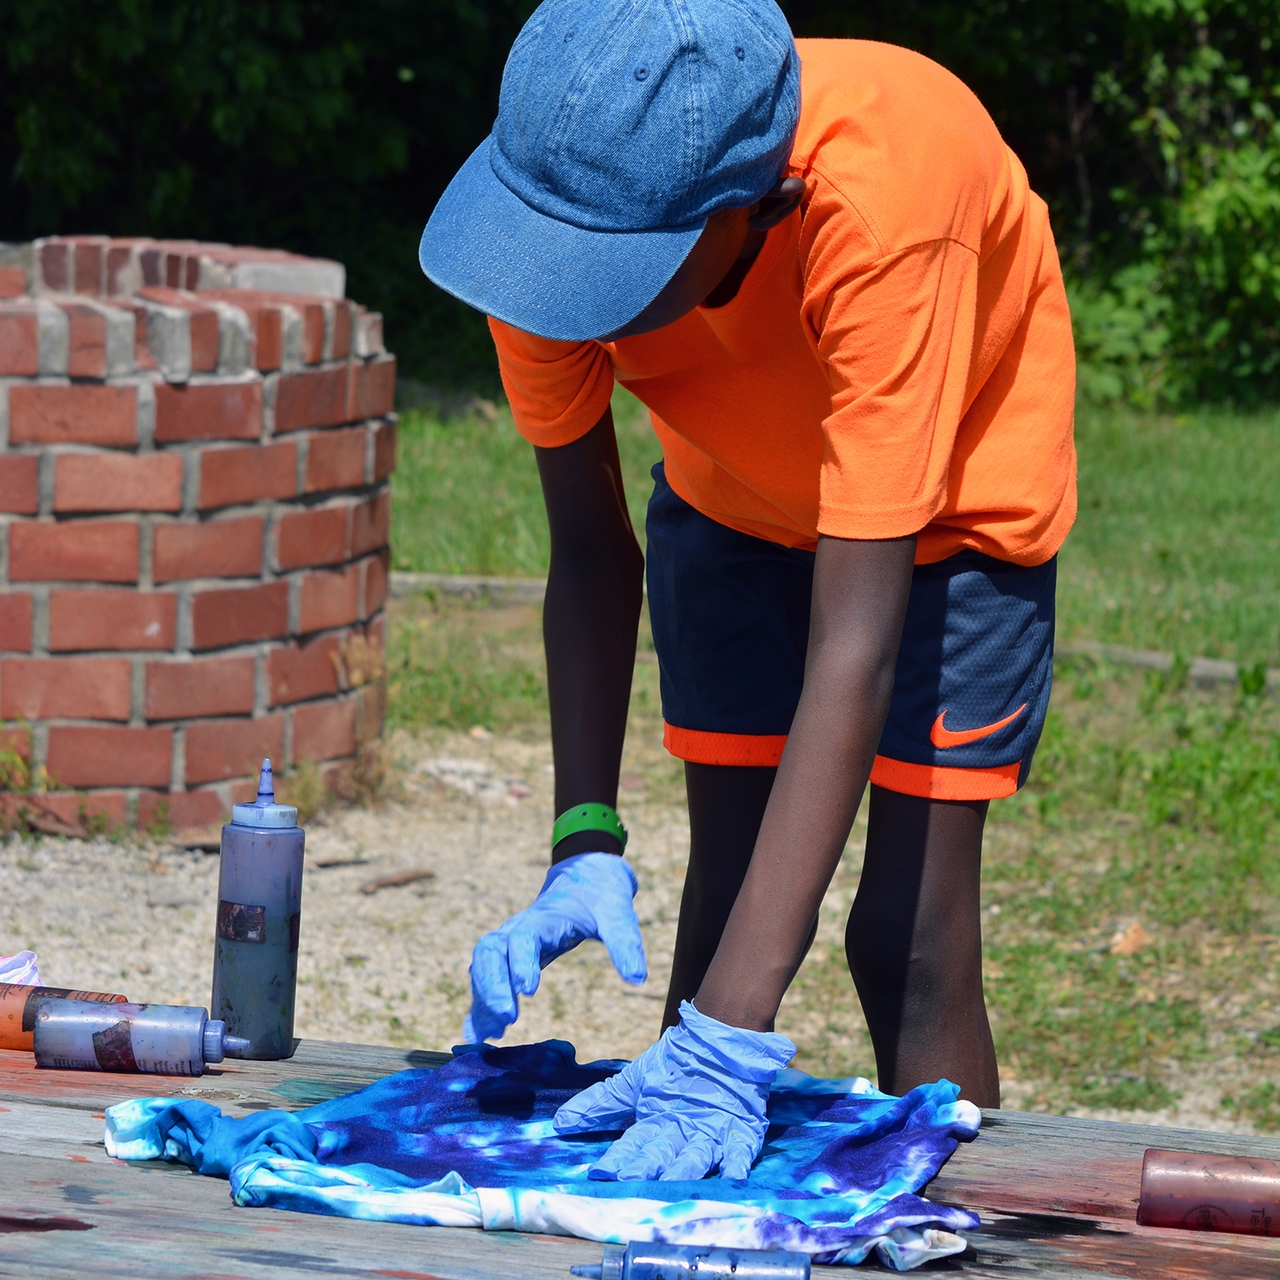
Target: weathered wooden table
pixel 1057 1196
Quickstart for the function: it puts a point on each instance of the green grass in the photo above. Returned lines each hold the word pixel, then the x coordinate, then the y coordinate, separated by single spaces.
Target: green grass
pixel 466 494
pixel 1149 802
pixel 1177 544
pixel 455 664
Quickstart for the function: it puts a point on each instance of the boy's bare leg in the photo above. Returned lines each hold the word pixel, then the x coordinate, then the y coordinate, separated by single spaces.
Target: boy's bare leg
pixel 726 806
pixel 914 943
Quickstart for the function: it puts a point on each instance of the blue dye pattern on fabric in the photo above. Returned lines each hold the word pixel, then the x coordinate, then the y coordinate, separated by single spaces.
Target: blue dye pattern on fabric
pixel 472 1143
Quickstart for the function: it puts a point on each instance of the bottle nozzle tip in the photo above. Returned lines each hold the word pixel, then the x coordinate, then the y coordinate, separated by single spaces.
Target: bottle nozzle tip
pixel 266 784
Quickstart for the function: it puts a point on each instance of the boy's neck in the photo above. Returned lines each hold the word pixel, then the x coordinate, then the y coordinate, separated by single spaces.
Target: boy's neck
pixel 732 280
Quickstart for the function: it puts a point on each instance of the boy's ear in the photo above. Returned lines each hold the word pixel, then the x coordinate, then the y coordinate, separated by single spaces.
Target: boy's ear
pixel 781 202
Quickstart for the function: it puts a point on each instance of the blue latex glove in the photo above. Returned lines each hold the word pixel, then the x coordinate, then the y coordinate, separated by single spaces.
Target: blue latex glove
pixel 697 1099
pixel 587 896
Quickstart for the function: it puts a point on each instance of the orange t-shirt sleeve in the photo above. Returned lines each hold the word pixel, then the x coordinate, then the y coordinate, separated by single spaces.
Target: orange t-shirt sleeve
pixel 896 337
pixel 558 390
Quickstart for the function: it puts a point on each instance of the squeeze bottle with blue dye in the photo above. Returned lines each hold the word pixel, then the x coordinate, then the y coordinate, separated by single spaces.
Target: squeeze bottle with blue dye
pixel 638 1261
pixel 255 957
pixel 88 1035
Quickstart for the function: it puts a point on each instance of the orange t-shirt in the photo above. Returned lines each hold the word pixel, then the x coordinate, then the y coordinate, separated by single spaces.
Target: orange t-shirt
pixel 899 357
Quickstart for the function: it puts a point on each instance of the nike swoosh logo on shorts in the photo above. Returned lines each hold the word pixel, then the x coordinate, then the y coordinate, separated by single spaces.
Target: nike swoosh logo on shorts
pixel 943 737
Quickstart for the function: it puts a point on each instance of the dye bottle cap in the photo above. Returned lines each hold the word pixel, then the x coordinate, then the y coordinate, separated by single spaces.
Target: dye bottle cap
pixel 217 1044
pixel 264 812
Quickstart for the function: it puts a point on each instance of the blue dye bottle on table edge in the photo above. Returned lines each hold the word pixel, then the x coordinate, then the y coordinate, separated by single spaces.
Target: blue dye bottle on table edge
pixel 255 956
pixel 641 1261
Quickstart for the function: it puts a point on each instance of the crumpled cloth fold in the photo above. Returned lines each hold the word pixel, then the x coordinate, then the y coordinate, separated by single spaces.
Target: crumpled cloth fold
pixel 472 1144
pixel 20 970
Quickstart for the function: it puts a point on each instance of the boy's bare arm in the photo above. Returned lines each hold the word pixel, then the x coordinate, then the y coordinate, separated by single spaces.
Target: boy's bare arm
pixel 860 592
pixel 594 593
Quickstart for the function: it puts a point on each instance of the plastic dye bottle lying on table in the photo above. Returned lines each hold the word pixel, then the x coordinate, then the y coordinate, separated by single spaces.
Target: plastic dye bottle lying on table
pixel 255 957
pixel 169 1040
pixel 636 1261
pixel 18 1006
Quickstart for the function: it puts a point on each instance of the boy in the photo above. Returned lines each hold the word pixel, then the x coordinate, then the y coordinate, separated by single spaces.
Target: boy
pixel 825 274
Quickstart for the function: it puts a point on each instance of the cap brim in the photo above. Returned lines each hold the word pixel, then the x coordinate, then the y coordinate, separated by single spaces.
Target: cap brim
pixel 483 244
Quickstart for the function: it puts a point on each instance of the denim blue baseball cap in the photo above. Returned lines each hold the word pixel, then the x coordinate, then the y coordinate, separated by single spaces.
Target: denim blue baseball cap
pixel 622 125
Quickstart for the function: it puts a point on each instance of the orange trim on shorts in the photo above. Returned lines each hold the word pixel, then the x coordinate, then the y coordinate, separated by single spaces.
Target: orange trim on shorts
pixel 701 747
pixel 935 782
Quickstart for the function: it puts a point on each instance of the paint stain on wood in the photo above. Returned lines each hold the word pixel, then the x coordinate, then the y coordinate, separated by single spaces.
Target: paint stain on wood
pixel 10 1224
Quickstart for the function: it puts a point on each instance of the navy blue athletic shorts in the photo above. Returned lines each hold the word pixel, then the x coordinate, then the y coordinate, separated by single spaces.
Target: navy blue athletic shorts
pixel 730 616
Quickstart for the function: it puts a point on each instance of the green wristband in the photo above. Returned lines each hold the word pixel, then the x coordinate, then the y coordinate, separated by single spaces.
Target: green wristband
pixel 589 817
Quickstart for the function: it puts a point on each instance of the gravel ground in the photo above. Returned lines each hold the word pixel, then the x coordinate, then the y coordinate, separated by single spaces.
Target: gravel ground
pixel 390 967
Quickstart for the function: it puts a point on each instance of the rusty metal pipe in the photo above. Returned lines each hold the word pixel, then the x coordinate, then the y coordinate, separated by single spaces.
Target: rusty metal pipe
pixel 1200 1192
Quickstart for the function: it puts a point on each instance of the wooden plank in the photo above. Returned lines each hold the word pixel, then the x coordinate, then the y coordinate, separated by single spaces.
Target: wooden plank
pixel 1092 1169
pixel 1014 1245
pixel 29 1129
pixel 318 1070
pixel 155 1220
pixel 126 1221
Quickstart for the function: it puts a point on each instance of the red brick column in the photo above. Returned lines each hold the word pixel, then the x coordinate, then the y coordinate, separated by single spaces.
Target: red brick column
pixel 195 442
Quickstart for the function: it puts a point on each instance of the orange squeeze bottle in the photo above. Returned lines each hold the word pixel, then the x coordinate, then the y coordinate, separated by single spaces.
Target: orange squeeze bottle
pixel 18 1005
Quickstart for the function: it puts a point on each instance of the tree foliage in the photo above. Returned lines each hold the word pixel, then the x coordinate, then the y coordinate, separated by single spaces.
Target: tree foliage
pixel 1148 125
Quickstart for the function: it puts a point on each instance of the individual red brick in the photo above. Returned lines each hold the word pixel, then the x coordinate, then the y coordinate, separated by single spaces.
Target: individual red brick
pixel 55 266
pixel 266 319
pixel 183 810
pixel 229 477
pixel 311 310
pixel 208 411
pixel 342 326
pixel 375 585
pixel 372 389
pixel 142 354
pixel 77 551
pixel 203 687
pixel 310 670
pixel 329 600
pixel 376 632
pixel 86 261
pixel 118 482
pixel 65 688
pixel 239 615
pixel 119 274
pixel 81 620
pixel 88 333
pixel 335 460
pixel 15 621
pixel 318 536
pixel 71 808
pixel 202 318
pixel 19 483
pixel 219 749
pixel 73 415
pixel 324 730
pixel 19 340
pixel 109 757
pixel 214 549
pixel 313 398
pixel 13 281
pixel 371 524
pixel 384 450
